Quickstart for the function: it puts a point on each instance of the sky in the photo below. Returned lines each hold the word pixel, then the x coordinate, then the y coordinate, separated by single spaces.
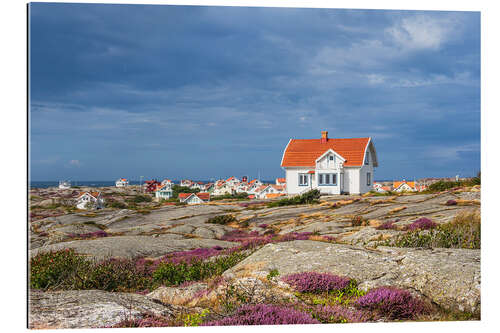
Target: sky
pixel 208 92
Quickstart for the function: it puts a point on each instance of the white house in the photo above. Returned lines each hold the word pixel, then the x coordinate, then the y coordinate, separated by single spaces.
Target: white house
pixel 122 182
pixel 166 181
pixel 194 198
pixel 404 186
pixel 186 182
pixel 163 191
pixel 263 191
pixel 89 200
pixel 333 166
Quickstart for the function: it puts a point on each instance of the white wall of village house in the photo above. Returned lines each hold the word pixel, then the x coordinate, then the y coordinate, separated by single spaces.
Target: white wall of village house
pixel 326 165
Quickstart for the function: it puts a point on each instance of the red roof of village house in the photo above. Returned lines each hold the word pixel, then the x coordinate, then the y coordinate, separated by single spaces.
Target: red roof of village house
pixel 184 195
pixel 304 152
pixel 205 196
pixel 94 194
pixel 281 180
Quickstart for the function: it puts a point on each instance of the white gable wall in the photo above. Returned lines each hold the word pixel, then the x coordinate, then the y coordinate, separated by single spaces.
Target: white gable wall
pixel 328 164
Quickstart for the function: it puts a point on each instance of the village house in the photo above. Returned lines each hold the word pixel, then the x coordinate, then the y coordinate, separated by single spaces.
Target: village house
pixel 166 181
pixel 378 187
pixel 404 186
pixel 150 185
pixel 265 191
pixel 163 191
pixel 194 198
pixel 232 181
pixel 122 182
pixel 333 166
pixel 280 181
pixel 186 183
pixel 89 200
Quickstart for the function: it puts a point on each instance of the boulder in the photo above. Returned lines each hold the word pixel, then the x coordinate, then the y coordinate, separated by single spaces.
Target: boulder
pixel 131 247
pixel 90 308
pixel 447 277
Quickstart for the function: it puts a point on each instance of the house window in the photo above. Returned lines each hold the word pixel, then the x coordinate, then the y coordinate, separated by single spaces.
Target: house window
pixel 367 158
pixel 327 179
pixel 331 157
pixel 368 179
pixel 303 179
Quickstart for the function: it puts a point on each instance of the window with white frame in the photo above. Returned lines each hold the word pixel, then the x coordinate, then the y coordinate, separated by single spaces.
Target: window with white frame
pixel 368 179
pixel 367 158
pixel 327 179
pixel 303 179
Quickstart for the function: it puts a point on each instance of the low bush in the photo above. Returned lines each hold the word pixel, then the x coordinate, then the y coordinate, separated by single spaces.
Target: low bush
pixel 392 302
pixel 422 223
pixel 464 231
pixel 265 314
pixel 328 314
pixel 388 225
pixel 357 221
pixel 141 198
pixel 117 204
pixel 309 197
pixel 50 270
pixel 313 282
pixel 169 273
pixel 222 219
pixel 237 196
pixel 95 234
pixel 451 202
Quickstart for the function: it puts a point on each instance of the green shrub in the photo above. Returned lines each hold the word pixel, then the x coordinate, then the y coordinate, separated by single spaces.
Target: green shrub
pixel 222 219
pixel 176 273
pixel 176 189
pixel 463 232
pixel 117 204
pixel 237 196
pixel 272 273
pixel 141 198
pixel 308 197
pixel 55 269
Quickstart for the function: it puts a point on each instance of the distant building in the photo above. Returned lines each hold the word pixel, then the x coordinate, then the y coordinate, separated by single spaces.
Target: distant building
pixel 64 184
pixel 150 185
pixel 122 182
pixel 163 191
pixel 404 186
pixel 332 166
pixel 280 181
pixel 194 198
pixel 89 200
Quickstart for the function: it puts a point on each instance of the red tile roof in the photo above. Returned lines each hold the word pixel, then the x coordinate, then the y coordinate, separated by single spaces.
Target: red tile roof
pixel 304 152
pixel 281 180
pixel 184 195
pixel 205 196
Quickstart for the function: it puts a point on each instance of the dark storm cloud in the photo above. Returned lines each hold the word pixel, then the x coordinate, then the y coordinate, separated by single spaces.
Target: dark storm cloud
pixel 163 90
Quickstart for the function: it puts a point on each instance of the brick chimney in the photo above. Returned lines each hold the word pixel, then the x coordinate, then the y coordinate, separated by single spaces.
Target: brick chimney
pixel 324 136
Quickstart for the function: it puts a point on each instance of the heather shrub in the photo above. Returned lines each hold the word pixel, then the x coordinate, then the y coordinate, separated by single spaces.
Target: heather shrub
pixel 263 225
pixel 313 282
pixel 170 273
pixel 222 219
pixel 95 234
pixel 388 225
pixel 117 204
pixel 264 314
pixel 464 231
pixel 451 202
pixel 339 314
pixel 50 270
pixel 357 220
pixel 422 223
pixel 146 321
pixel 392 302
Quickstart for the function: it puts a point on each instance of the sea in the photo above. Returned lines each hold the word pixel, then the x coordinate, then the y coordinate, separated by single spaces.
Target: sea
pixel 104 183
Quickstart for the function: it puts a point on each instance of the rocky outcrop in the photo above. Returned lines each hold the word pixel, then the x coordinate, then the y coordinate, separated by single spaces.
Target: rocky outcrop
pixel 91 308
pixel 130 247
pixel 447 277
